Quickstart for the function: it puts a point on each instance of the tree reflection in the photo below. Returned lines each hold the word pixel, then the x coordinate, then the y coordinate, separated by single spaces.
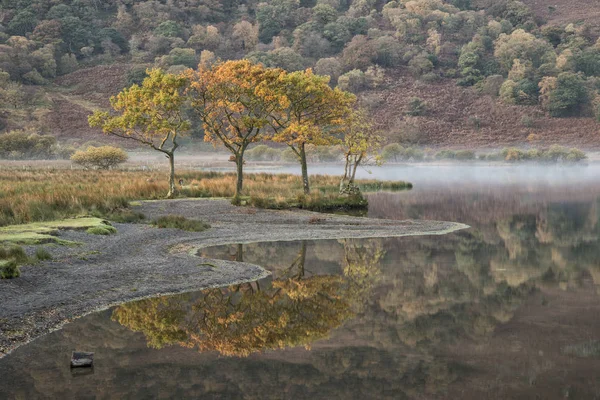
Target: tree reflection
pixel 295 309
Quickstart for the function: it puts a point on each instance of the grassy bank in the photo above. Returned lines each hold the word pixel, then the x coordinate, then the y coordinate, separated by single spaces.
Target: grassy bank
pixel 45 232
pixel 47 195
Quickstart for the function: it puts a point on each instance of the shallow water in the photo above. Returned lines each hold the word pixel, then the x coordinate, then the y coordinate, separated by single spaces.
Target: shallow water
pixel 507 309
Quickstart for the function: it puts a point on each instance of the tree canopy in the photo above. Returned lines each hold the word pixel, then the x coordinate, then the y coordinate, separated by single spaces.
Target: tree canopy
pixel 150 114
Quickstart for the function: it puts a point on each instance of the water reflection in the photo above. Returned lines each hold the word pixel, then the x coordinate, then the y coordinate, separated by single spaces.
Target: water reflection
pixel 294 308
pixel 507 309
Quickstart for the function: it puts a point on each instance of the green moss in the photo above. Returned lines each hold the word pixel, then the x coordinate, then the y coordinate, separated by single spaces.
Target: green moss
pixel 45 232
pixel 180 222
pixel 101 230
pixel 126 216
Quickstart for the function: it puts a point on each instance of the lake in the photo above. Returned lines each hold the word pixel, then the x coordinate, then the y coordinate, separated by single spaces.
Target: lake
pixel 508 309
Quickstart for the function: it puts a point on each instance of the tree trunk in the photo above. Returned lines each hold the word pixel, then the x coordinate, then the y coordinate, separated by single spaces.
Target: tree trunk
pixel 356 163
pixel 239 255
pixel 343 183
pixel 305 183
pixel 172 187
pixel 302 260
pixel 239 162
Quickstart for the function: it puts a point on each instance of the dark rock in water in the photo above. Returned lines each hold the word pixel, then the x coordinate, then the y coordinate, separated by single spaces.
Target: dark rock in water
pixel 81 359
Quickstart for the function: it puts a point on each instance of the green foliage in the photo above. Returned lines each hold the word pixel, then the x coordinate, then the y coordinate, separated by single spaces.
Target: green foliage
pixel 288 155
pixel 465 155
pixel 416 107
pixel 103 230
pixel 588 62
pixel 569 97
pixel 553 154
pixel 392 152
pixel 263 153
pixel 9 269
pixel 395 152
pixel 11 258
pixel 27 145
pixel 136 75
pixel 124 216
pixel 177 56
pixel 42 254
pixel 168 29
pixel 180 222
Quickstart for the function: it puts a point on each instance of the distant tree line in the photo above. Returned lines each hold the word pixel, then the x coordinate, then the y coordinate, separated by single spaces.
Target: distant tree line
pixel 502 50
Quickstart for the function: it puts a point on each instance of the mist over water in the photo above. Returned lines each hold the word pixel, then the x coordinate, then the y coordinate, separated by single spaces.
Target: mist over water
pixel 426 176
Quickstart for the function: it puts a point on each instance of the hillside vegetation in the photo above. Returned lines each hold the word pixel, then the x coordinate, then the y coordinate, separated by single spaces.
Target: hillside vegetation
pixel 431 72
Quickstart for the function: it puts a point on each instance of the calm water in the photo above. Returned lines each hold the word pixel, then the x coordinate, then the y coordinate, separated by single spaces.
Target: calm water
pixel 507 309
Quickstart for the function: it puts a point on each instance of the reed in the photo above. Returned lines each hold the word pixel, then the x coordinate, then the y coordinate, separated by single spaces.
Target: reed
pixel 45 195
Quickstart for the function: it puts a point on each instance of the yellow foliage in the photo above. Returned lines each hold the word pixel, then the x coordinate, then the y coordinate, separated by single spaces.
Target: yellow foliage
pixel 103 157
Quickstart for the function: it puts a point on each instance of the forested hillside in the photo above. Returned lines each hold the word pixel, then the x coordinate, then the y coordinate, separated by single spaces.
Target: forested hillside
pixel 434 73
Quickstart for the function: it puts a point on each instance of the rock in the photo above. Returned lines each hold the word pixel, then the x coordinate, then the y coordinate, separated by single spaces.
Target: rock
pixel 82 359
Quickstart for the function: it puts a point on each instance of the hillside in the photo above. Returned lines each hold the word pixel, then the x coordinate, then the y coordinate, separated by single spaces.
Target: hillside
pixel 485 73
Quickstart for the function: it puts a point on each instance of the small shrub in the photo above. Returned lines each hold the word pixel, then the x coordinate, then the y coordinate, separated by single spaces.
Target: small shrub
pixel 513 154
pixel 465 155
pixel 416 106
pixel 288 155
pixel 263 153
pixel 446 155
pixel 323 153
pixel 104 230
pixel 491 85
pixel 9 269
pixel 555 153
pixel 125 216
pixel 180 222
pixel 431 77
pixel 353 81
pixel 392 152
pixel 42 254
pixel 527 121
pixel 575 155
pixel 534 154
pixel 27 144
pixel 412 154
pixel 420 65
pixel 103 157
pixel 533 138
pixel 10 260
pixel 475 121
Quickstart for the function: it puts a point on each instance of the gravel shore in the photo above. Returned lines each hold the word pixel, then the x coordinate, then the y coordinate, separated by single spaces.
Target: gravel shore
pixel 142 261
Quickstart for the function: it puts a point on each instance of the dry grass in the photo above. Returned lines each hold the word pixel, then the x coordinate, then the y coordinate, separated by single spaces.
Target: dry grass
pixel 30 196
pixel 44 195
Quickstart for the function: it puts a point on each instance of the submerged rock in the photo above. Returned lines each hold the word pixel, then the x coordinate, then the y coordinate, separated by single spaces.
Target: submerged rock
pixel 82 359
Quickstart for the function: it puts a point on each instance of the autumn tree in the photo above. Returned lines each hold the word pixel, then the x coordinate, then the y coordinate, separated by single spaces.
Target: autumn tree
pixel 360 143
pixel 243 319
pixel 234 100
pixel 313 113
pixel 150 114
